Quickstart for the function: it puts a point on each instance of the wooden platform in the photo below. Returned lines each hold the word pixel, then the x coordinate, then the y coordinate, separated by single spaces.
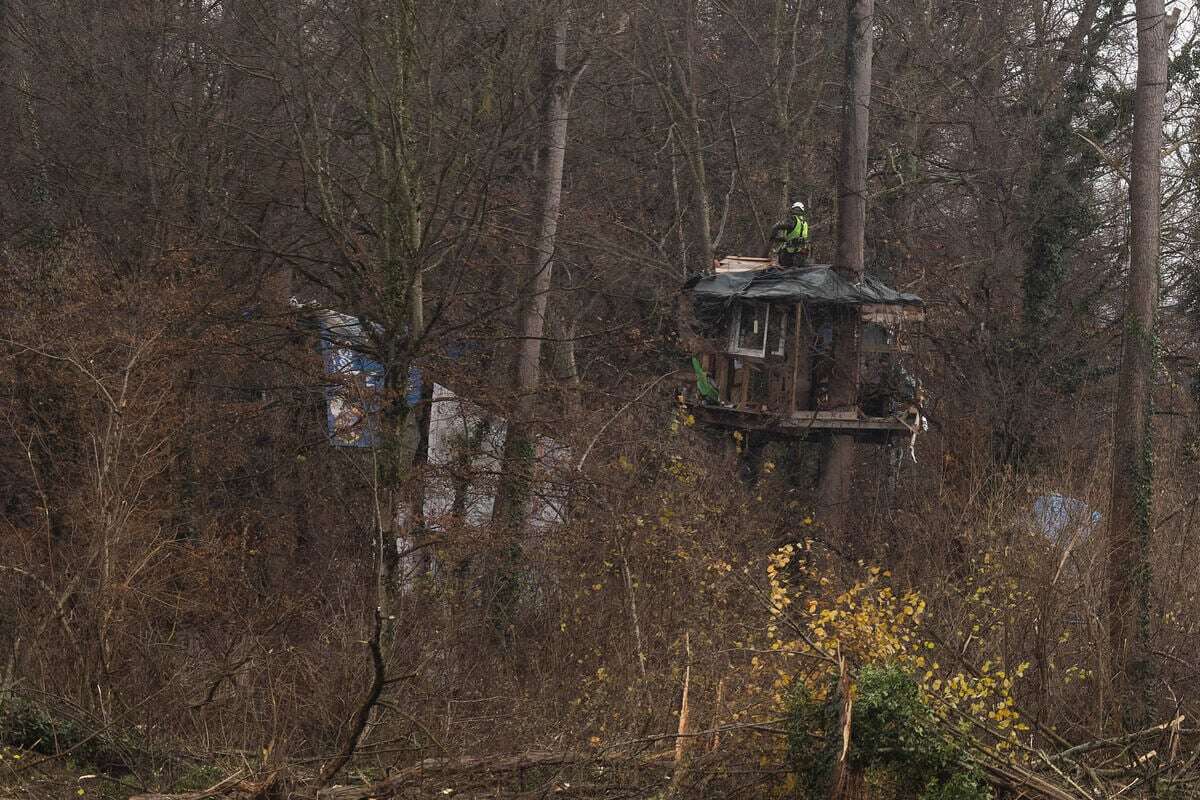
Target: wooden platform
pixel 802 424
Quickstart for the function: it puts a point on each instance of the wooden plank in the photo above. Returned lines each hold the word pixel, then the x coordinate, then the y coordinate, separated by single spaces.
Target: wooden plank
pixel 802 375
pixel 823 422
pixel 887 314
pixel 871 424
pixel 742 264
pixel 779 388
pixel 826 415
pixel 792 351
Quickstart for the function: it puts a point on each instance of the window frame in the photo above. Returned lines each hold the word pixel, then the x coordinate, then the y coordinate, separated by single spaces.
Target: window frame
pixel 763 351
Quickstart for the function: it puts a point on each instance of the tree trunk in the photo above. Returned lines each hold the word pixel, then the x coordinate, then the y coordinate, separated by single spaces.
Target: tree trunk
pixel 677 93
pixel 838 468
pixel 566 370
pixel 696 151
pixel 389 107
pixel 1132 478
pixel 512 494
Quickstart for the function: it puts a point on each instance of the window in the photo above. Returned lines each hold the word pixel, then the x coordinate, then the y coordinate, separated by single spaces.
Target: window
pixel 755 328
pixel 777 325
pixel 750 329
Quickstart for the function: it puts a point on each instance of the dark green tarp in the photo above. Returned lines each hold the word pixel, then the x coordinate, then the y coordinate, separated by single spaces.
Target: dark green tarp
pixel 818 284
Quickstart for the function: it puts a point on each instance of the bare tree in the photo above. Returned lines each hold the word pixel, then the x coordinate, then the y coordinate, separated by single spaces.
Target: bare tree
pixel 384 138
pixel 838 467
pixel 1130 526
pixel 513 492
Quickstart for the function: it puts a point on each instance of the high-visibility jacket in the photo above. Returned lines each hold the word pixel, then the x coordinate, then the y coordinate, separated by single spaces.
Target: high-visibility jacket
pixel 797 236
pixel 792 235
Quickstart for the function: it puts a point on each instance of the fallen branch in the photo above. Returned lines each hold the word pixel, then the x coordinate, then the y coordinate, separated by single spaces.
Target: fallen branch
pixel 221 788
pixel 358 722
pixel 406 778
pixel 1118 741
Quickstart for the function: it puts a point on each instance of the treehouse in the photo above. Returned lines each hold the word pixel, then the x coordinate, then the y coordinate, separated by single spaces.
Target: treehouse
pixel 766 362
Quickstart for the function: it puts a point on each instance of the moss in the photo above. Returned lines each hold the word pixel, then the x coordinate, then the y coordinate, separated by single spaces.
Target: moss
pixel 894 739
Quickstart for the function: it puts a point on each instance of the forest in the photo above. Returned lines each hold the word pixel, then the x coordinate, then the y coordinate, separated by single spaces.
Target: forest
pixel 602 400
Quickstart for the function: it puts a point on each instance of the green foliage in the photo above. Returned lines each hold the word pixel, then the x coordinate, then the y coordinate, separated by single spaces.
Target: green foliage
pixel 810 745
pixel 893 727
pixel 197 778
pixel 893 736
pixel 1061 210
pixel 1184 67
pixel 30 727
pixel 965 785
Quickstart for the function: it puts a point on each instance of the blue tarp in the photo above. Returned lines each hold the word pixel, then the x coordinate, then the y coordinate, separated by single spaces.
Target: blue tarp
pixel 352 397
pixel 1060 518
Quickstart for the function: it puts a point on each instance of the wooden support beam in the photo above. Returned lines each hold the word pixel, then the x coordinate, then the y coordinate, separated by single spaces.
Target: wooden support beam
pixel 721 362
pixel 801 390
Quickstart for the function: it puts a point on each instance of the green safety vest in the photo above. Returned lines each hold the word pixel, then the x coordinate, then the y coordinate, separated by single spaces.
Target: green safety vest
pixel 797 237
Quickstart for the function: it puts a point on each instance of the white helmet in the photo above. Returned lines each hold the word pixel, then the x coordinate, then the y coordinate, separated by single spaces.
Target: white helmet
pixel 798 207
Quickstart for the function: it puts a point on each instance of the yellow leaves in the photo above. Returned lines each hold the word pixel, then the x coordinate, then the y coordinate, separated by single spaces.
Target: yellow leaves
pixel 868 621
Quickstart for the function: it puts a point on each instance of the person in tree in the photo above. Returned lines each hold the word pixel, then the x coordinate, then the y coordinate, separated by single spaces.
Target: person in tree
pixel 789 239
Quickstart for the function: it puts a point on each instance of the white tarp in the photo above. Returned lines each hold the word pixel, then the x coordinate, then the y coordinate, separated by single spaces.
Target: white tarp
pixel 466 447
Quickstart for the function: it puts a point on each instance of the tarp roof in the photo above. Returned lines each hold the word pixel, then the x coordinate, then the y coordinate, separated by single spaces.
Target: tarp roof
pixel 818 284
